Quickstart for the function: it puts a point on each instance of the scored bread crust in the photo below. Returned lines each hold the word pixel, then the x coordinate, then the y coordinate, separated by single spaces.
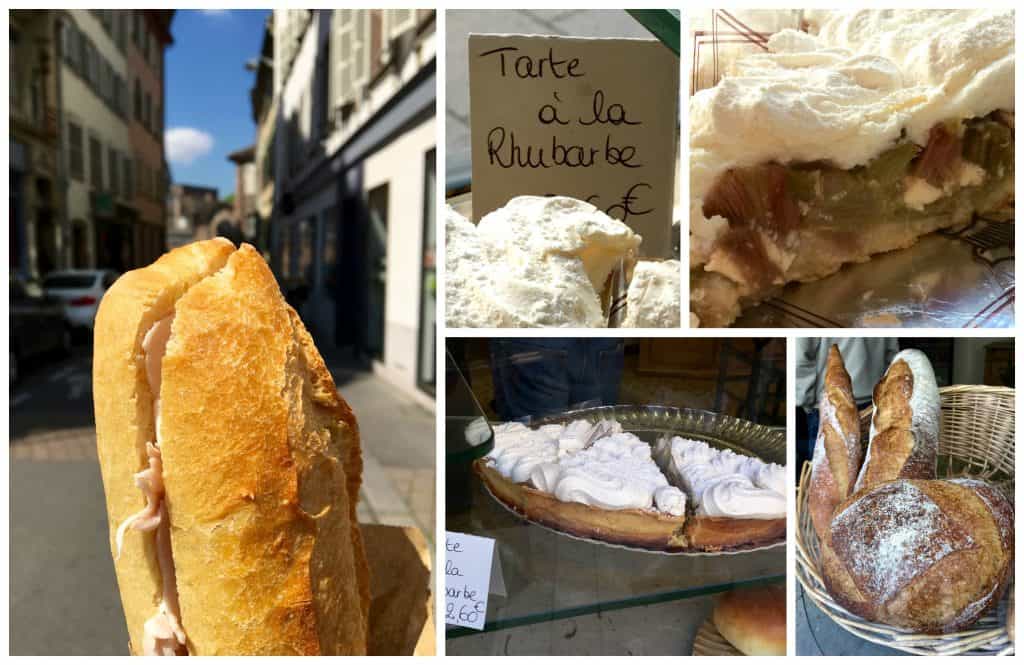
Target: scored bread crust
pixel 904 433
pixel 260 476
pixel 837 453
pixel 124 407
pixel 947 570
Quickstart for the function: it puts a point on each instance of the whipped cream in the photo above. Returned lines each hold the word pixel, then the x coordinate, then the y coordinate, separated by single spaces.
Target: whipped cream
pixel 963 57
pixel 652 300
pixel 722 483
pixel 537 261
pixel 518 449
pixel 847 93
pixel 596 464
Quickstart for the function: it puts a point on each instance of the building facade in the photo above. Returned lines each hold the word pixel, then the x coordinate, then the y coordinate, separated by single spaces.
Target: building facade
pixel 243 206
pixel 264 114
pixel 190 212
pixel 36 198
pixel 88 172
pixel 146 176
pixel 352 231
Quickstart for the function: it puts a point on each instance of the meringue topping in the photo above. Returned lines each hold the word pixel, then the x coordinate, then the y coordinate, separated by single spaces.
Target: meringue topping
pixel 596 464
pixel 723 483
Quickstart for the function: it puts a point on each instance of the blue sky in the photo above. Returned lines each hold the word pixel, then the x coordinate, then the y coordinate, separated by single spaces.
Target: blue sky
pixel 207 94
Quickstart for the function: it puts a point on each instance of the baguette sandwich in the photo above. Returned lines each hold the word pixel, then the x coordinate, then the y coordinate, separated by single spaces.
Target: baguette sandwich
pixel 230 464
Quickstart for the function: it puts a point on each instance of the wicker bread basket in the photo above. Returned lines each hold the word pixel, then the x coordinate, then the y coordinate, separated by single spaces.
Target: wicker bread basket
pixel 976 440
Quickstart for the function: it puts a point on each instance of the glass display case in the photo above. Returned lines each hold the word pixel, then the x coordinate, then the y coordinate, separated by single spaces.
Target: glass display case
pixel 548 575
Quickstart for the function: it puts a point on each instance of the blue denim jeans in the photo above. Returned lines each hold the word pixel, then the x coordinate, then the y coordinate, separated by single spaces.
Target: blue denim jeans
pixel 539 377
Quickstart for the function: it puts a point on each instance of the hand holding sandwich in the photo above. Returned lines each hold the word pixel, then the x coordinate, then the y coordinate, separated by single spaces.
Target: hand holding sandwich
pixel 230 464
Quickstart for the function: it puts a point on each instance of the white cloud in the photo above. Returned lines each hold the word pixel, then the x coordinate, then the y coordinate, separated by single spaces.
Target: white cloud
pixel 185 145
pixel 214 12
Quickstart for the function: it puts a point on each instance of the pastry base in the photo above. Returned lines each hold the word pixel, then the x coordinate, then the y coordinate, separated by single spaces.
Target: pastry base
pixel 631 527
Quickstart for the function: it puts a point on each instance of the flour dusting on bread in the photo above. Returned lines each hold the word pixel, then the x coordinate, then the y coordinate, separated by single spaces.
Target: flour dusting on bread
pixel 892 534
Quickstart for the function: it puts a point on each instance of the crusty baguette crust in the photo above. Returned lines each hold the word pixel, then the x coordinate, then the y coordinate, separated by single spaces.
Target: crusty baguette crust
pixel 124 410
pixel 754 620
pixel 325 408
pixel 837 452
pixel 928 555
pixel 259 496
pixel 904 433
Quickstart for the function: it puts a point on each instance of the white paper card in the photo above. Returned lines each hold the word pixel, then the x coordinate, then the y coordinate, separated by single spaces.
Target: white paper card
pixel 467 579
pixel 497 578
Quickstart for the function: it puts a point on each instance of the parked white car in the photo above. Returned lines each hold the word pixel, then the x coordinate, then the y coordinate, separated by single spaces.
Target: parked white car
pixel 80 291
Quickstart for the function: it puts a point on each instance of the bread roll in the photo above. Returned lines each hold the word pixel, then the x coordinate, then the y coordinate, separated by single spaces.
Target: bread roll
pixel 904 435
pixel 260 462
pixel 837 450
pixel 928 555
pixel 754 620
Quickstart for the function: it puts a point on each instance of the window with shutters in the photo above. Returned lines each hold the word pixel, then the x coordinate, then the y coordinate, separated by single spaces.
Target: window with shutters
pixel 121 35
pixel 128 185
pixel 400 20
pixel 113 164
pixel 95 163
pixel 138 101
pixel 76 152
pixel 67 42
pixel 350 49
pixel 82 55
pixel 87 60
pixel 293 26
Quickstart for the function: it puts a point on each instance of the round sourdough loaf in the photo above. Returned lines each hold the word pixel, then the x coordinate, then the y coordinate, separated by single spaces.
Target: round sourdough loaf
pixel 754 620
pixel 928 555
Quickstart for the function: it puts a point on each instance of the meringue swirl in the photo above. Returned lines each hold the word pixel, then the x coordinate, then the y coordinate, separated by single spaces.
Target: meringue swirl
pixel 596 464
pixel 723 483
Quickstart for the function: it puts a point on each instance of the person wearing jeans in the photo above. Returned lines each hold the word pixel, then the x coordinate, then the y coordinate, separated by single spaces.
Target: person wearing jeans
pixel 537 377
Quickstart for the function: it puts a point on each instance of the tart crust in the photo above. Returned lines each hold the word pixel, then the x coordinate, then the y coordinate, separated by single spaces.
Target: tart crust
pixel 631 527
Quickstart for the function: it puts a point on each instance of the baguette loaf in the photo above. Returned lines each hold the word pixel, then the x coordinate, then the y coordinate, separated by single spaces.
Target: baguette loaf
pixel 258 460
pixel 928 555
pixel 904 435
pixel 837 450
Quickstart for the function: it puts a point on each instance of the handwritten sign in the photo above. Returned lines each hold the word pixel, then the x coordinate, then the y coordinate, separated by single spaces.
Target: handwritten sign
pixel 467 579
pixel 594 119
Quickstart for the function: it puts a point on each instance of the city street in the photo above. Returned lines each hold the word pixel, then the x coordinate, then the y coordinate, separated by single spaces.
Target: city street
pixel 64 597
